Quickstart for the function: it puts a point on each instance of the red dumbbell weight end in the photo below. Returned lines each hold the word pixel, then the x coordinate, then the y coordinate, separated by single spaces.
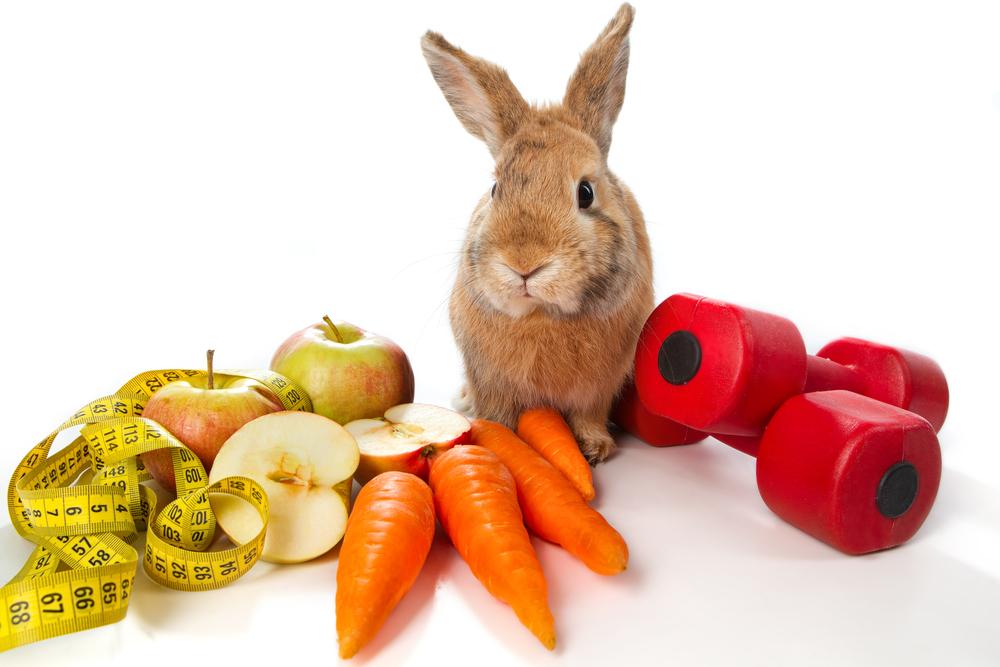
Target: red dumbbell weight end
pixel 632 416
pixel 856 473
pixel 717 367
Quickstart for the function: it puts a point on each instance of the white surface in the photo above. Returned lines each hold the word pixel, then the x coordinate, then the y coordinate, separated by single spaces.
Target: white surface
pixel 174 177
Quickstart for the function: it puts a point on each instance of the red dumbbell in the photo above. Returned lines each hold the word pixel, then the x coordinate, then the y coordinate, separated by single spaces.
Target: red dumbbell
pixel 858 469
pixel 725 369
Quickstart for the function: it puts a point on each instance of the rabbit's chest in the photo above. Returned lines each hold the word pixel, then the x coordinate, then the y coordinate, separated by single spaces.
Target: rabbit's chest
pixel 557 360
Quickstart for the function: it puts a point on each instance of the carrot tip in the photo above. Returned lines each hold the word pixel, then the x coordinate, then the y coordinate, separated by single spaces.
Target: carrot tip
pixel 348 648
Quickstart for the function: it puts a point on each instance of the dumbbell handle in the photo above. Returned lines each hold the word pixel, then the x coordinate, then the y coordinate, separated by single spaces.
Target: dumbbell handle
pixel 825 375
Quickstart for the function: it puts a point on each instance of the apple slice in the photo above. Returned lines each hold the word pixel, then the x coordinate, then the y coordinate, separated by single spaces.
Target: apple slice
pixel 406 439
pixel 305 462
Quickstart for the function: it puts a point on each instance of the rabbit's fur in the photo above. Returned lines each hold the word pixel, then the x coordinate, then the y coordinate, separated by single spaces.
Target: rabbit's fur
pixel 550 297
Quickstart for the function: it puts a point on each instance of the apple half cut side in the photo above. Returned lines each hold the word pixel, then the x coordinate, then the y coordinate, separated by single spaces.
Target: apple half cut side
pixel 305 463
pixel 406 439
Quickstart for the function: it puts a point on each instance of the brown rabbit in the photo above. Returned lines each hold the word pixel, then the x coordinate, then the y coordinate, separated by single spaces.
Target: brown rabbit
pixel 555 276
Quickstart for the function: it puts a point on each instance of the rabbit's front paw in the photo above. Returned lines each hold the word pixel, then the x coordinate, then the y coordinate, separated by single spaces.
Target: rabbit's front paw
pixel 595 443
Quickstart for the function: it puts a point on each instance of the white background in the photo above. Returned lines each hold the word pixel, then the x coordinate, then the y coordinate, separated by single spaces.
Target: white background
pixel 193 174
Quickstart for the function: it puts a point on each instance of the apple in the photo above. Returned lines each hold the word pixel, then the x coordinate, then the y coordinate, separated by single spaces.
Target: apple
pixel 202 413
pixel 406 438
pixel 348 372
pixel 305 463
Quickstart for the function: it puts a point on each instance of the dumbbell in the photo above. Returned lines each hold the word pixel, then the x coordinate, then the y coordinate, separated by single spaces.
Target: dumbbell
pixel 725 369
pixel 850 462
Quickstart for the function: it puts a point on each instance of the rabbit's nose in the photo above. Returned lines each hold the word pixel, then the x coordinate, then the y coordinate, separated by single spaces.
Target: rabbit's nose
pixel 525 275
pixel 532 272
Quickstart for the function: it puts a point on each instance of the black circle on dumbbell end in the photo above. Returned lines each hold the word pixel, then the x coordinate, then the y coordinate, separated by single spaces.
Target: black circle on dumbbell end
pixel 897 490
pixel 680 357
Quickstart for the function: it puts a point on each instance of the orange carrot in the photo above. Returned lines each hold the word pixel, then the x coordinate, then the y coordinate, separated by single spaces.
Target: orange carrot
pixel 476 500
pixel 389 533
pixel 549 435
pixel 552 507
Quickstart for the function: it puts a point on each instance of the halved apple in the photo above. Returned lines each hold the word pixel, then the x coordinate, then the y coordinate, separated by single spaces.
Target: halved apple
pixel 406 439
pixel 305 463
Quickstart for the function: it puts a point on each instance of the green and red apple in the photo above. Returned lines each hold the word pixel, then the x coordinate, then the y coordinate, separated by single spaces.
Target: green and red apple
pixel 203 412
pixel 305 464
pixel 349 373
pixel 406 439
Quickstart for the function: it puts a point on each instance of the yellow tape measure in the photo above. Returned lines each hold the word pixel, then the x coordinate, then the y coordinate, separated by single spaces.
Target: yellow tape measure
pixel 81 572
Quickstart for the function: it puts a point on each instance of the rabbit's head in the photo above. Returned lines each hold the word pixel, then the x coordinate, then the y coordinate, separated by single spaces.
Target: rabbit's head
pixel 554 233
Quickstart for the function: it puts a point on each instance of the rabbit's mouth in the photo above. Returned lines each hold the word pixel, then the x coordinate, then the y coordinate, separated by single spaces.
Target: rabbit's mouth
pixel 521 305
pixel 518 292
pixel 522 300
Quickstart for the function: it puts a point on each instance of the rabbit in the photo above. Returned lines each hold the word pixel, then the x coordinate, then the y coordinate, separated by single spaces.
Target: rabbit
pixel 555 274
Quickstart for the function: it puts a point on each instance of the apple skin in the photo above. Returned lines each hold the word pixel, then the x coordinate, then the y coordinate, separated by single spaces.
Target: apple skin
pixel 202 418
pixel 359 377
pixel 417 462
pixel 406 439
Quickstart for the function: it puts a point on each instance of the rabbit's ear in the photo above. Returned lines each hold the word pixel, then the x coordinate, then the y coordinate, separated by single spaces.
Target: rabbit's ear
pixel 597 88
pixel 480 93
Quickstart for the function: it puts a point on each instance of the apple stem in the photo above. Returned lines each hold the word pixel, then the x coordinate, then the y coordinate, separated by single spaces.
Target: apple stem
pixel 211 373
pixel 333 328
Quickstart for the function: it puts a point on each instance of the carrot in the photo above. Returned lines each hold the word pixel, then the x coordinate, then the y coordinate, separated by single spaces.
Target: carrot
pixel 389 533
pixel 549 435
pixel 476 500
pixel 552 507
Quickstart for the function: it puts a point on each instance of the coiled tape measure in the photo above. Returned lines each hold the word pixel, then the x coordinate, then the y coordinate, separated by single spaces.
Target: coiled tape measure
pixel 81 572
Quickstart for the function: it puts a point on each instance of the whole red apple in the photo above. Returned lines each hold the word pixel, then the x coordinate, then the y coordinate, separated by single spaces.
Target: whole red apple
pixel 202 413
pixel 349 373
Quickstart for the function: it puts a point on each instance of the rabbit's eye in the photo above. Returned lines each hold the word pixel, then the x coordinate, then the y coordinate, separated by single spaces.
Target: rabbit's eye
pixel 493 192
pixel 585 194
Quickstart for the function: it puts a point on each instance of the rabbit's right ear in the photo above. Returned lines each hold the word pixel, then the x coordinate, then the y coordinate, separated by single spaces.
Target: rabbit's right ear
pixel 480 93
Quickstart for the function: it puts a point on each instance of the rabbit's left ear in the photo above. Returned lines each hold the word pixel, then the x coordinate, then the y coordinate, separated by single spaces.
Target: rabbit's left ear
pixel 597 89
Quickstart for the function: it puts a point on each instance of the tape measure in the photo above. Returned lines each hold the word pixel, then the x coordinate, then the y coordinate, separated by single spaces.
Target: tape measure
pixel 81 572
